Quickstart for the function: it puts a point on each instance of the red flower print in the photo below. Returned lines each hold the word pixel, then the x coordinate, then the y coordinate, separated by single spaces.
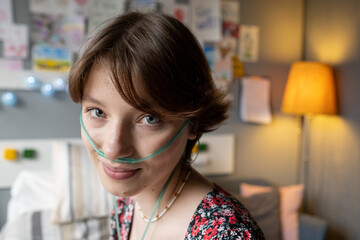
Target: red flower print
pixel 218 221
pixel 210 232
pixel 247 235
pixel 128 216
pixel 204 221
pixel 218 201
pixel 232 219
pixel 195 229
pixel 206 205
pixel 197 226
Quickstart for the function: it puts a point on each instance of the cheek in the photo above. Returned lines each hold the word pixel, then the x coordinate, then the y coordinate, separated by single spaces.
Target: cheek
pixel 176 150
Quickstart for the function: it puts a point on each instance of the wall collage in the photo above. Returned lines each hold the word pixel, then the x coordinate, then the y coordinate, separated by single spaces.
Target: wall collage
pixel 57 29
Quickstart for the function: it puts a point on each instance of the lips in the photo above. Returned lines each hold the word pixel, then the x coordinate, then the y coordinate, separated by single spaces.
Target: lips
pixel 119 173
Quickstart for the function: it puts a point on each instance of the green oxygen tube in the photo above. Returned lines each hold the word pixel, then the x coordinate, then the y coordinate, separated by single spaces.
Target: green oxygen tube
pixel 132 160
pixel 153 213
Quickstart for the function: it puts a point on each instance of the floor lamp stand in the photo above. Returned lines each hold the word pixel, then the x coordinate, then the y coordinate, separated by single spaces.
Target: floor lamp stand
pixel 304 158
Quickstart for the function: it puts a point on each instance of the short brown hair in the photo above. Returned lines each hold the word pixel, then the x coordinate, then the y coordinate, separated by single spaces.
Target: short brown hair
pixel 158 67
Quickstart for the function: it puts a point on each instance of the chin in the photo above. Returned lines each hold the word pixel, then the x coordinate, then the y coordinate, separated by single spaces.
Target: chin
pixel 115 188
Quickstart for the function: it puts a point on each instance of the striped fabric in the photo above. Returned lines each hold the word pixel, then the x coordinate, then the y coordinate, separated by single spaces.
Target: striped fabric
pixel 79 193
pixel 37 226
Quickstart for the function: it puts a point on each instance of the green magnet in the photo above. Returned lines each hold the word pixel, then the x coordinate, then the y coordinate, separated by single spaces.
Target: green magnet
pixel 29 153
pixel 203 147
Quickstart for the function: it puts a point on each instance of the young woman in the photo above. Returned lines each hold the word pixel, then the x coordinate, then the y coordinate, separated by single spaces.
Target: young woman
pixel 147 96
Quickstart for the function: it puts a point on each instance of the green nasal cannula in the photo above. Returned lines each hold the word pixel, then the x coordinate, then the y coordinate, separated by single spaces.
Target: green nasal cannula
pixel 131 160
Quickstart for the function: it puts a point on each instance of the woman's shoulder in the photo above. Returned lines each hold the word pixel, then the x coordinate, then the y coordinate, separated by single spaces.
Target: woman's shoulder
pixel 221 216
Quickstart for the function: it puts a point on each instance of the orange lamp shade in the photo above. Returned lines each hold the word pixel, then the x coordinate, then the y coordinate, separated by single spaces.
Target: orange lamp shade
pixel 310 89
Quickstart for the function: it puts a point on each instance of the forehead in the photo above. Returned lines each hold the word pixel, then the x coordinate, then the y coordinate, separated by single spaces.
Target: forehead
pixel 99 81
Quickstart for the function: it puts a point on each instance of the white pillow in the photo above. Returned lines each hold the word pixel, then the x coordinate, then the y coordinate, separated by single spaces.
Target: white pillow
pixel 31 191
pixel 290 202
pixel 79 193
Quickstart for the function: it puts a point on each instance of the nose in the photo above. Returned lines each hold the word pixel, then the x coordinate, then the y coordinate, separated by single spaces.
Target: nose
pixel 117 142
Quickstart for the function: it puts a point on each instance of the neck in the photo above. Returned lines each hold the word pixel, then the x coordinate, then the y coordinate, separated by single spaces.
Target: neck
pixel 148 198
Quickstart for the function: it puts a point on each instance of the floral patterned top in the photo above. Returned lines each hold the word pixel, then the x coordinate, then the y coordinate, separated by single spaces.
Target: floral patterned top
pixel 218 216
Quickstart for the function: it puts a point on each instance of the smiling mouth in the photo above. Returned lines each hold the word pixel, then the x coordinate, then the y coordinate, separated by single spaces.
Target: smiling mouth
pixel 119 173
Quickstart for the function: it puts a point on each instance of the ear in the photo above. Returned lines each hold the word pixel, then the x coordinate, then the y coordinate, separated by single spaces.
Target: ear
pixel 192 136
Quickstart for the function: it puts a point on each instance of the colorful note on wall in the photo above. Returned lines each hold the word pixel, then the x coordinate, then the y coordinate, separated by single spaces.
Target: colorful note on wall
pixel 49 6
pixel 230 15
pixel 181 11
pixel 205 16
pixel 73 31
pixel 46 58
pixel 78 7
pixel 143 5
pixel 58 30
pixel 101 11
pixel 16 41
pixel 249 43
pixel 230 11
pixel 223 66
pixel 11 64
pixel 210 54
pixel 6 17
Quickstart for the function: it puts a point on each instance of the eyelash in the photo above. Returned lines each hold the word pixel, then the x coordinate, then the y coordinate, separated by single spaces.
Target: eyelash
pixel 152 125
pixel 89 109
pixel 160 121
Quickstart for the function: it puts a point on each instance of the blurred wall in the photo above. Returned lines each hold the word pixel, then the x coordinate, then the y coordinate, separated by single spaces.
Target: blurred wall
pixel 333 36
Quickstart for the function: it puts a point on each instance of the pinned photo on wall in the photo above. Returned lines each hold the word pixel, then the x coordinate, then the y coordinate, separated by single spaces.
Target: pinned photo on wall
pixel 230 29
pixel 11 64
pixel 249 43
pixel 101 11
pixel 143 5
pixel 230 15
pixel 58 30
pixel 49 6
pixel 223 65
pixel 16 41
pixel 79 7
pixel 73 31
pixel 181 11
pixel 255 100
pixel 210 54
pixel 47 58
pixel 206 19
pixel 6 16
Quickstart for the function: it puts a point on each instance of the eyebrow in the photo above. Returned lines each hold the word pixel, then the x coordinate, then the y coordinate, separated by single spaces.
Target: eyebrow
pixel 92 100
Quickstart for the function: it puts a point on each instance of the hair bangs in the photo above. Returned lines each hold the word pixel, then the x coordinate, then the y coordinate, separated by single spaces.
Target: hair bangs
pixel 144 81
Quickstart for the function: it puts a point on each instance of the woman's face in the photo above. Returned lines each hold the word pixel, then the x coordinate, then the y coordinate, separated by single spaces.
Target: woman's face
pixel 120 130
